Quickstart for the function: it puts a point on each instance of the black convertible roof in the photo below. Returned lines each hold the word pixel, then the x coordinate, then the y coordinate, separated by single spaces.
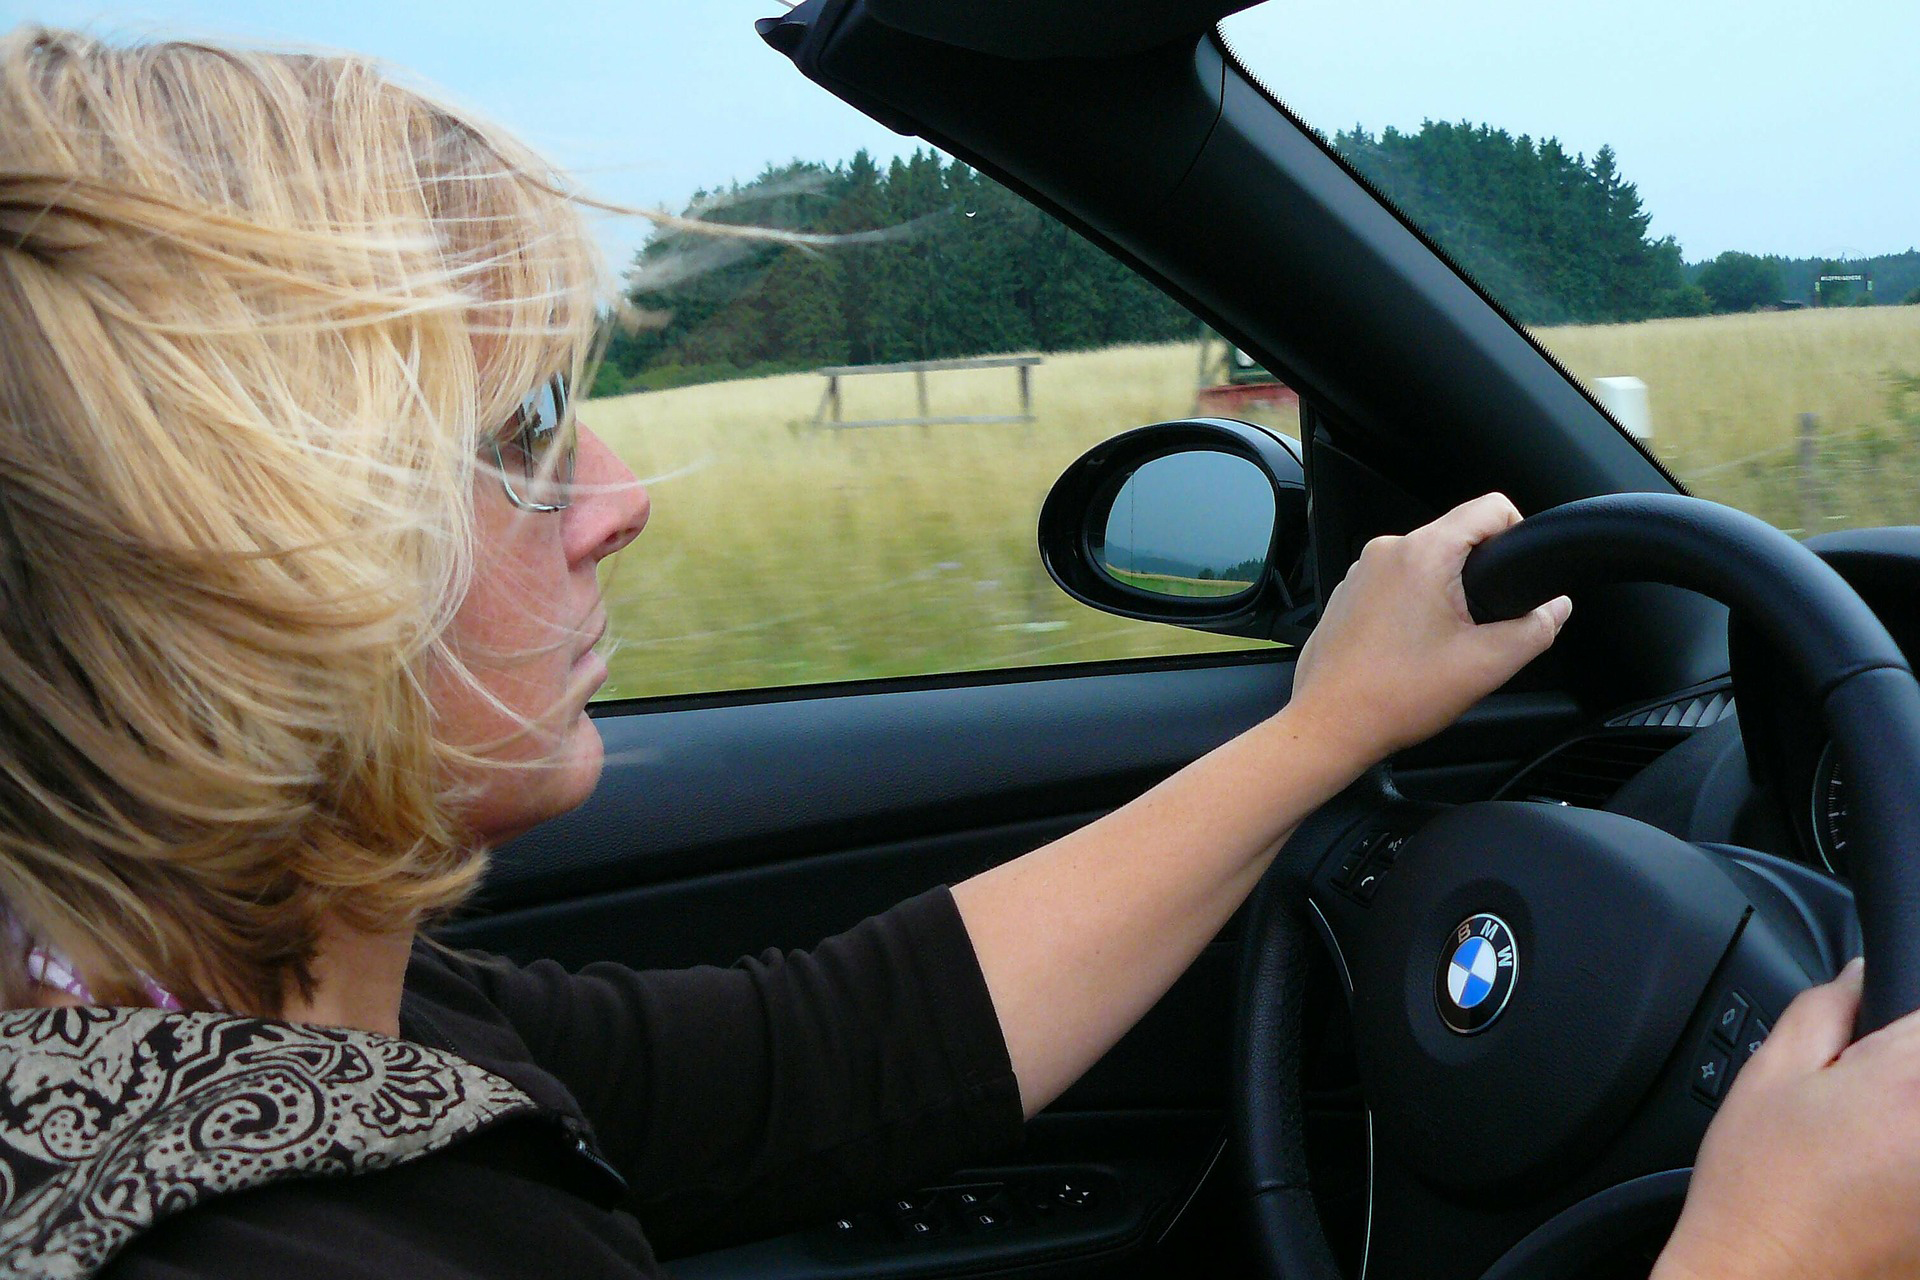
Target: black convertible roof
pixel 1028 29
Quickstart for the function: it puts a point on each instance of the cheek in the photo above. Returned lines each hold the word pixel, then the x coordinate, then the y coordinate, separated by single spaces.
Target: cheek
pixel 513 636
pixel 515 708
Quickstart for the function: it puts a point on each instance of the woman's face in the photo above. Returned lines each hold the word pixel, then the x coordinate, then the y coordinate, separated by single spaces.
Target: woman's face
pixel 526 631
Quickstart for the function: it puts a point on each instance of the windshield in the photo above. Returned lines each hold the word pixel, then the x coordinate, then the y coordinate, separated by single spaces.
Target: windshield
pixel 1707 212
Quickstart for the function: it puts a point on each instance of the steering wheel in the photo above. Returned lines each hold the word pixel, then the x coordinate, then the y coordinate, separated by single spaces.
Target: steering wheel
pixel 1548 1003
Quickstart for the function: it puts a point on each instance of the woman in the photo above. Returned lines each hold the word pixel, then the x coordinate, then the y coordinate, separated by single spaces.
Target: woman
pixel 299 606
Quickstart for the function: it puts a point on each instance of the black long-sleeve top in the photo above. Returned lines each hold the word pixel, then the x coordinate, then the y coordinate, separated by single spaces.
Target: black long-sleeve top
pixel 692 1107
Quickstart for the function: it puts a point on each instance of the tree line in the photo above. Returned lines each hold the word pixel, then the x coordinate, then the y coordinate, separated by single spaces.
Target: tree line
pixel 965 267
pixel 1555 237
pixel 961 266
pixel 1737 281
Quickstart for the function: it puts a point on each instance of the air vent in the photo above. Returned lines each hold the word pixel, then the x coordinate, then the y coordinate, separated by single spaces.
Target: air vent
pixel 1694 712
pixel 1587 772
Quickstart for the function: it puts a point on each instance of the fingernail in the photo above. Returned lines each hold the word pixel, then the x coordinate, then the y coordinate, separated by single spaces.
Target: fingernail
pixel 1558 609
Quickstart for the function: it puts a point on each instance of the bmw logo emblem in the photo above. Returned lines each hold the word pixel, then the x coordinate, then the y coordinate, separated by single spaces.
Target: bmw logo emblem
pixel 1476 975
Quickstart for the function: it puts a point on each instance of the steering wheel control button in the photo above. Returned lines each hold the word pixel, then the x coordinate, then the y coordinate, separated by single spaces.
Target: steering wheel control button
pixel 1710 1074
pixel 1351 863
pixel 1750 1043
pixel 1357 862
pixel 1730 1015
pixel 1363 865
pixel 1735 1031
pixel 1476 975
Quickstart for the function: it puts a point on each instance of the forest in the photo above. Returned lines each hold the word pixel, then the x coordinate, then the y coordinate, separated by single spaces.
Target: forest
pixel 956 265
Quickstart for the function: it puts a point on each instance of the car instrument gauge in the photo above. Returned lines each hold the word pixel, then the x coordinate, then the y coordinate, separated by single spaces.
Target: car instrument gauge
pixel 1830 812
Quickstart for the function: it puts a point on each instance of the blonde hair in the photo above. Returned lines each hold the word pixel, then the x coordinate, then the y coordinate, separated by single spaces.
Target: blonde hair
pixel 258 312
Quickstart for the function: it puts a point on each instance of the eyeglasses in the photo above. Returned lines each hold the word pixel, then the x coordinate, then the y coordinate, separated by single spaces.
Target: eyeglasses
pixel 535 449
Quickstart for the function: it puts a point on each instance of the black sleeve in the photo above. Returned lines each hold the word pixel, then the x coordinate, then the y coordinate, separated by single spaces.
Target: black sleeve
pixel 746 1100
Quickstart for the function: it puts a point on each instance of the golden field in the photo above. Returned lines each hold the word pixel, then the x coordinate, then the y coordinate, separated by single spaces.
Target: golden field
pixel 781 552
pixel 1727 393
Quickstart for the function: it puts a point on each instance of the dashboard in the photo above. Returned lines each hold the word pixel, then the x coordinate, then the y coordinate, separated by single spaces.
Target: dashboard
pixel 1745 760
pixel 1788 748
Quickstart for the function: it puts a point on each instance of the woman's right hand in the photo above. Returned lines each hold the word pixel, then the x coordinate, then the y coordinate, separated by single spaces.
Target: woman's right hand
pixel 1812 1168
pixel 1396 655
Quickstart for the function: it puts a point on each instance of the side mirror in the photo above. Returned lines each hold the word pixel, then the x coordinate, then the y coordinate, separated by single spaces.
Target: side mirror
pixel 1200 523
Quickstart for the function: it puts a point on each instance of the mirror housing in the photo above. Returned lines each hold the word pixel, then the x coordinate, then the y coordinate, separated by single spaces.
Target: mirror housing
pixel 1074 521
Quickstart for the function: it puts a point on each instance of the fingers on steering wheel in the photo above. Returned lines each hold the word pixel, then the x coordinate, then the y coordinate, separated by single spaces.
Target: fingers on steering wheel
pixel 1472 523
pixel 1529 635
pixel 1815 1029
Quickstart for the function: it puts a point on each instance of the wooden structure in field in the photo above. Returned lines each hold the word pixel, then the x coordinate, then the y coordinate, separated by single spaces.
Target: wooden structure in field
pixel 830 413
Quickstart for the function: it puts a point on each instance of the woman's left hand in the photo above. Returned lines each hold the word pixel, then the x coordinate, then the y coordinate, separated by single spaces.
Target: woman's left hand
pixel 1396 657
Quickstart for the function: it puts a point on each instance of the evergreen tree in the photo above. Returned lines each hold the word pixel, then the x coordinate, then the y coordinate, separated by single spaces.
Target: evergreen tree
pixel 979 308
pixel 1553 236
pixel 861 205
pixel 913 270
pixel 799 310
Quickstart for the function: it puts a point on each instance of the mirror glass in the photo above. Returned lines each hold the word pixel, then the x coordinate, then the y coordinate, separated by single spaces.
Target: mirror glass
pixel 1198 523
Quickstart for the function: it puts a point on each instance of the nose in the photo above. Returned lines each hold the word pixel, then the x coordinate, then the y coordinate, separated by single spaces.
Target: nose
pixel 610 506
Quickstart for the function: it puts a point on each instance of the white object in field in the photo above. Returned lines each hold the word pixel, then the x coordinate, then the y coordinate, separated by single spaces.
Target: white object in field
pixel 1626 400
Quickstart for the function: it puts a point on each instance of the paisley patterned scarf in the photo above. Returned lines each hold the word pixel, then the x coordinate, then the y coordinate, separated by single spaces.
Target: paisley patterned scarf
pixel 111 1119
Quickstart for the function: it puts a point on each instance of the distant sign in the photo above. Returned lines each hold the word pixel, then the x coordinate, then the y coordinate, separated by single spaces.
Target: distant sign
pixel 1826 287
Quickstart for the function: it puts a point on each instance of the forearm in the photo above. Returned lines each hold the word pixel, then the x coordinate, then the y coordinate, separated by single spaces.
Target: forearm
pixel 1079 938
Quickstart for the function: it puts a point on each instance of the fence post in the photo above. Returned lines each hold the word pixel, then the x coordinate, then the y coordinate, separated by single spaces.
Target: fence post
pixel 833 394
pixel 920 390
pixel 1026 390
pixel 1808 464
pixel 1626 399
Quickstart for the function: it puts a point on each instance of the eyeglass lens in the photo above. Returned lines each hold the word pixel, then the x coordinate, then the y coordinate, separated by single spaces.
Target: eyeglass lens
pixel 540 458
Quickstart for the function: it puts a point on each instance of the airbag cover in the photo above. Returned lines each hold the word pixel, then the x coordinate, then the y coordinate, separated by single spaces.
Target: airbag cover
pixel 1618 928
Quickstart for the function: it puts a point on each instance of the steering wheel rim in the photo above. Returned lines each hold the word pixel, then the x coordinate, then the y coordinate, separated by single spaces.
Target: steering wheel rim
pixel 1836 644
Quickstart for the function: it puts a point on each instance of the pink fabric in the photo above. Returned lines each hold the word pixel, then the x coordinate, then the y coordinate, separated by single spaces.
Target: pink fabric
pixel 52 970
pixel 48 968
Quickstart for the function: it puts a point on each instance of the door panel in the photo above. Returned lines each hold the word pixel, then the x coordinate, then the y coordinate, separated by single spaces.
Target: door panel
pixel 729 825
pixel 725 782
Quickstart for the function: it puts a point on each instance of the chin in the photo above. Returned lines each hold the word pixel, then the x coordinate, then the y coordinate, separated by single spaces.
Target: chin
pixel 585 757
pixel 521 798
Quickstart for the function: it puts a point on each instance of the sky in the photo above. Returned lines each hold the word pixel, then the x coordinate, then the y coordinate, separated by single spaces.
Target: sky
pixel 1765 125
pixel 1772 126
pixel 1153 512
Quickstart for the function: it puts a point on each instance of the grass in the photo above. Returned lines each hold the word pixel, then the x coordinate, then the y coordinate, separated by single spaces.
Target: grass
pixel 781 552
pixel 1167 584
pixel 1727 392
